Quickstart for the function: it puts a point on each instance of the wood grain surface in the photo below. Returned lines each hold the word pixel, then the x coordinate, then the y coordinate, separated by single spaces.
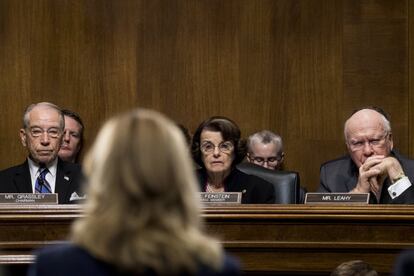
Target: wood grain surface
pixel 296 67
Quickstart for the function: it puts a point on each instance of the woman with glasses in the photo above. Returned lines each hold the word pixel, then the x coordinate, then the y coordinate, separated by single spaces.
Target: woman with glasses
pixel 218 148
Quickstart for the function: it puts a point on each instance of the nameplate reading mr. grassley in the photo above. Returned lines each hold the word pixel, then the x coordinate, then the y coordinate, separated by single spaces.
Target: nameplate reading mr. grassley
pixel 336 198
pixel 28 198
pixel 222 197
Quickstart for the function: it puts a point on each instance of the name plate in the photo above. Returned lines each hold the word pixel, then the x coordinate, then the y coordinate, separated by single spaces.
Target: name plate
pixel 28 198
pixel 332 198
pixel 222 197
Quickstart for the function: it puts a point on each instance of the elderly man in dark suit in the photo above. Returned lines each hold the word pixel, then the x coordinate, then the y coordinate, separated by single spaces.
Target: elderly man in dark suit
pixel 43 171
pixel 371 165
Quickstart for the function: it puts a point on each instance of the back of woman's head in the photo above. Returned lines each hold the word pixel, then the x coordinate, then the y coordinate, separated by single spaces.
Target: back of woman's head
pixel 142 210
pixel 140 159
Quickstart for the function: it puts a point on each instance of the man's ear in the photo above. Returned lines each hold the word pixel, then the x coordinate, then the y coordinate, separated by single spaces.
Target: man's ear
pixel 248 157
pixel 391 141
pixel 23 137
pixel 282 157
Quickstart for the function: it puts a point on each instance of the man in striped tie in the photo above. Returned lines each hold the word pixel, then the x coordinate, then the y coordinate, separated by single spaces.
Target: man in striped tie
pixel 42 185
pixel 43 171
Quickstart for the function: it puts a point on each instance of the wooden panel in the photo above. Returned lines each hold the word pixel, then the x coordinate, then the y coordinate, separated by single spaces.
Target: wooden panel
pixel 312 240
pixel 73 53
pixel 294 240
pixel 410 92
pixel 376 61
pixel 297 67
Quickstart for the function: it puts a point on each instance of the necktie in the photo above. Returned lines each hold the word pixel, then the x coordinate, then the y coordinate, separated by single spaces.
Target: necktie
pixel 41 185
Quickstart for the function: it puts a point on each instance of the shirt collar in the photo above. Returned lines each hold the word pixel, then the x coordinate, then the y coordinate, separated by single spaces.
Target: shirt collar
pixel 34 168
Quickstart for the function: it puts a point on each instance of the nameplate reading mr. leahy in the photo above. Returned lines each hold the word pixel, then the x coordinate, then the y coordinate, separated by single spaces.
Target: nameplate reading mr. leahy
pixel 223 197
pixel 20 198
pixel 336 198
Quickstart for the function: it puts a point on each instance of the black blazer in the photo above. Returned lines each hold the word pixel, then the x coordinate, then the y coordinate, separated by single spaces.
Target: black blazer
pixel 254 189
pixel 68 180
pixel 404 264
pixel 69 259
pixel 341 176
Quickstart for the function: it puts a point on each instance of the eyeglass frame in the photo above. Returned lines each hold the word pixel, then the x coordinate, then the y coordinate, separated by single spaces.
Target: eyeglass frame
pixel 278 158
pixel 49 132
pixel 216 146
pixel 372 143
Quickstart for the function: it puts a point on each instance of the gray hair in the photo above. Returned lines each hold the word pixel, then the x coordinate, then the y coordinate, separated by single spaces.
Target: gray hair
pixel 26 119
pixel 265 137
pixel 354 267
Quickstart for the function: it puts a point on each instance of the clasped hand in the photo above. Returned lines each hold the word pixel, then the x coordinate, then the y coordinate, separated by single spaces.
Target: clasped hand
pixel 374 171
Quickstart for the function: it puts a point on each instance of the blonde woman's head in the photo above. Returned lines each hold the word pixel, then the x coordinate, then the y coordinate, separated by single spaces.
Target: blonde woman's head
pixel 142 210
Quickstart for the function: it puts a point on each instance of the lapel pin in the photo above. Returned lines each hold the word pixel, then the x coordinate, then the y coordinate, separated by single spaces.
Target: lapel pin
pixel 66 178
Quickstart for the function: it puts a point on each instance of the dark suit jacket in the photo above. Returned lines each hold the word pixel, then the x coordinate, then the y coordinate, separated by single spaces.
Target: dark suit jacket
pixel 404 265
pixel 254 189
pixel 68 178
pixel 341 176
pixel 72 260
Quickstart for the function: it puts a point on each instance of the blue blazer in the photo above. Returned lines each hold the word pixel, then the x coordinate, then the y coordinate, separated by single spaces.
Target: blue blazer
pixel 69 260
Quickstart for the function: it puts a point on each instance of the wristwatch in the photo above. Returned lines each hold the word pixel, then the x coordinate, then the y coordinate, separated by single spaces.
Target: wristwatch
pixel 401 175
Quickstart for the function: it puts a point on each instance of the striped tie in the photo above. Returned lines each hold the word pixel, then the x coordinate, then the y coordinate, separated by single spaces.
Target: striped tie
pixel 42 186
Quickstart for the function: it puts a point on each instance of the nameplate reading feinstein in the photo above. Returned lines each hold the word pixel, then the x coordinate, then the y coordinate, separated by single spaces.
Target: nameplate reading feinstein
pixel 222 197
pixel 26 198
pixel 339 198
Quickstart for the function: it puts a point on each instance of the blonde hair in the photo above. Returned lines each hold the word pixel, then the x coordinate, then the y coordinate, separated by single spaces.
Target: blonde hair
pixel 142 210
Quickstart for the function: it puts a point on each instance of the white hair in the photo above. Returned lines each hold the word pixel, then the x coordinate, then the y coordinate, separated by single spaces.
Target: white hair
pixel 265 137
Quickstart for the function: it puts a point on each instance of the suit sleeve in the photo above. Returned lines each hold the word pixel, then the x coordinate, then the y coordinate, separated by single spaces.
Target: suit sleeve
pixel 231 266
pixel 407 197
pixel 323 186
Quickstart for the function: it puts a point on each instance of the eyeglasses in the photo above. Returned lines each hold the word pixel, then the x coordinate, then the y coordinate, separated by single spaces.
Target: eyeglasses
pixel 224 147
pixel 373 143
pixel 52 132
pixel 270 161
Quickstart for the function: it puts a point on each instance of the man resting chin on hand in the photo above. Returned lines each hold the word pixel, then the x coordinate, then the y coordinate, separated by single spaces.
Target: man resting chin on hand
pixel 371 165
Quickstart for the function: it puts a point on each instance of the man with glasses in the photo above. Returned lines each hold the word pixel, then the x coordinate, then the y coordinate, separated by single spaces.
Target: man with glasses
pixel 265 149
pixel 371 165
pixel 43 171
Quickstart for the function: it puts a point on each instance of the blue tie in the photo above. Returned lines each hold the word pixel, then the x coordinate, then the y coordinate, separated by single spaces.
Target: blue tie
pixel 42 186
